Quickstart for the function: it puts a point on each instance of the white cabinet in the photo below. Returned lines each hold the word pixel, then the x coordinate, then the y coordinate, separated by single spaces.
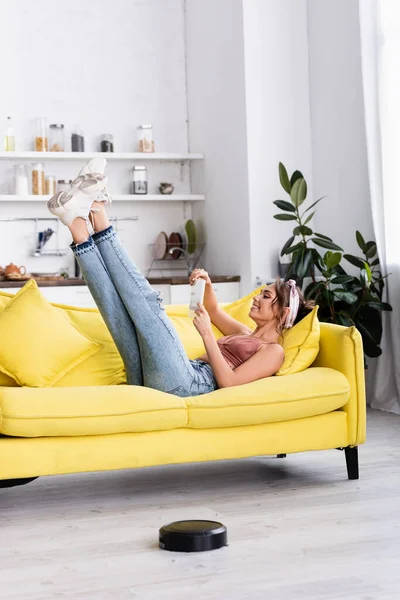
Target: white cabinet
pixel 79 295
pixel 73 295
pixel 225 292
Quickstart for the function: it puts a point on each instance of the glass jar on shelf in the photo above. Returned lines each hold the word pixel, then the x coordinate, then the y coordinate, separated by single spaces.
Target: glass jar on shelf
pixel 51 184
pixel 38 184
pixel 41 139
pixel 107 143
pixel 64 185
pixel 139 185
pixel 57 143
pixel 145 138
pixel 77 140
pixel 21 181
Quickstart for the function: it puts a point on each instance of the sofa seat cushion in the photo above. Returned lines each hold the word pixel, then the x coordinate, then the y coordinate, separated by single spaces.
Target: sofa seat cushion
pixel 76 411
pixel 315 391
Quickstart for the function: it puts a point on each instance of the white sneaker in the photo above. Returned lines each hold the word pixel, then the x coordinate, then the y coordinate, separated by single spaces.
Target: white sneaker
pixel 92 180
pixel 89 186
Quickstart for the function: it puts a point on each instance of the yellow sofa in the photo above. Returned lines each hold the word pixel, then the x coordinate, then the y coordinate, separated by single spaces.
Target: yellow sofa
pixel 90 421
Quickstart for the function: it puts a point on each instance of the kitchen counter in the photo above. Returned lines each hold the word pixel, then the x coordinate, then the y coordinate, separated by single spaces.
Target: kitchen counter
pixel 73 281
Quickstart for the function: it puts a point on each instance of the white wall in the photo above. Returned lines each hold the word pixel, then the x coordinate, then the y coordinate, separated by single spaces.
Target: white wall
pixel 337 121
pixel 217 127
pixel 108 66
pixel 278 118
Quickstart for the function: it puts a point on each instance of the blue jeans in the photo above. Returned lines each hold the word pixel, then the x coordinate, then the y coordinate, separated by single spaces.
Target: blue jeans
pixel 149 346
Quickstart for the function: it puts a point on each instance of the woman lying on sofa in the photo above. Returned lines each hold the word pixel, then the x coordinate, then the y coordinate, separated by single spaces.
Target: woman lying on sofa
pixel 150 348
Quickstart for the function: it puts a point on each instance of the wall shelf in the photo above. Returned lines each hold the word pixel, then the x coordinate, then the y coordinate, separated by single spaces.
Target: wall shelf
pixel 117 198
pixel 113 156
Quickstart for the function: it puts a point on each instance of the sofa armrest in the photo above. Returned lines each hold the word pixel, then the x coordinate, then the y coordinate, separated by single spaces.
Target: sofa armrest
pixel 341 348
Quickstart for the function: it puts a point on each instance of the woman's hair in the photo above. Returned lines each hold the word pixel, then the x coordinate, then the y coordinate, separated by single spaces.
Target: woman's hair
pixel 282 299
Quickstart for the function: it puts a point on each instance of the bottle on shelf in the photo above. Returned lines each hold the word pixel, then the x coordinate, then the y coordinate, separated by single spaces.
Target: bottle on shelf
pixel 9 137
pixel 38 181
pixel 77 140
pixel 56 137
pixel 21 181
pixel 51 184
pixel 41 140
pixel 145 138
pixel 107 143
pixel 139 185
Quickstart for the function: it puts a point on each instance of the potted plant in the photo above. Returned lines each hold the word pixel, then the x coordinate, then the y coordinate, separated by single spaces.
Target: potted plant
pixel 343 298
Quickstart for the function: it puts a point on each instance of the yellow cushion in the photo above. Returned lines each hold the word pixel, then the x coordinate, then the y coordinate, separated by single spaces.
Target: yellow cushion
pixel 120 409
pixel 103 368
pixel 38 343
pixel 191 339
pixel 301 344
pixel 32 412
pixel 313 392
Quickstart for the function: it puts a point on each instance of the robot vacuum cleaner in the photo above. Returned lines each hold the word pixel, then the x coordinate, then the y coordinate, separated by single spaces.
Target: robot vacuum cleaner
pixel 193 536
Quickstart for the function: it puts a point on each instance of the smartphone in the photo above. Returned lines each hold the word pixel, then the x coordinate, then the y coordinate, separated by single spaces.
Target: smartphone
pixel 196 295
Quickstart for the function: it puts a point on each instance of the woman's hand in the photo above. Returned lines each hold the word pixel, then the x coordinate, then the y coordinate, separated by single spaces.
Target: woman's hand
pixel 199 274
pixel 202 321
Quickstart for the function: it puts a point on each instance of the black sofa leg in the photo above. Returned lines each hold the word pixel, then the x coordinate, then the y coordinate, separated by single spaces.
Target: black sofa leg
pixel 6 483
pixel 281 456
pixel 352 462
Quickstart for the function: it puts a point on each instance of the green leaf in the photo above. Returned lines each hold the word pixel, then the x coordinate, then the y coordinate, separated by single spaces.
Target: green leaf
pixel 292 249
pixel 375 263
pixel 304 264
pixel 298 192
pixel 287 245
pixel 324 237
pixel 284 205
pixel 305 230
pixel 313 290
pixel 355 260
pixel 309 218
pixel 371 251
pixel 285 217
pixel 344 319
pixel 348 297
pixel 284 178
pixel 333 259
pixel 342 279
pixel 360 241
pixel 296 230
pixel 371 347
pixel 379 305
pixel 313 204
pixel 368 271
pixel 327 244
pixel 296 175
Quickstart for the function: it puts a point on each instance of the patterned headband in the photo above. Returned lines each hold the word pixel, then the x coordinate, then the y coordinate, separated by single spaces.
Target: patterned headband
pixel 293 304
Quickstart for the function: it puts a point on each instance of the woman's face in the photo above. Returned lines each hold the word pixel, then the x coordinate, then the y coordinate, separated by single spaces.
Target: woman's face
pixel 262 309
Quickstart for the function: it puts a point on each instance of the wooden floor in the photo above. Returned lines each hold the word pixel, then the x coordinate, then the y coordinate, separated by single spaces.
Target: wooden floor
pixel 298 529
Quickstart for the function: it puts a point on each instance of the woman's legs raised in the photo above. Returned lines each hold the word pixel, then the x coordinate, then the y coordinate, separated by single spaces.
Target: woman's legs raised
pixel 109 303
pixel 165 365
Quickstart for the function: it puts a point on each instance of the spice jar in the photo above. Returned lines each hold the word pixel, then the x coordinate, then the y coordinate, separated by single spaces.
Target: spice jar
pixel 41 140
pixel 56 138
pixel 107 143
pixel 139 185
pixel 51 184
pixel 145 138
pixel 77 140
pixel 64 185
pixel 38 187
